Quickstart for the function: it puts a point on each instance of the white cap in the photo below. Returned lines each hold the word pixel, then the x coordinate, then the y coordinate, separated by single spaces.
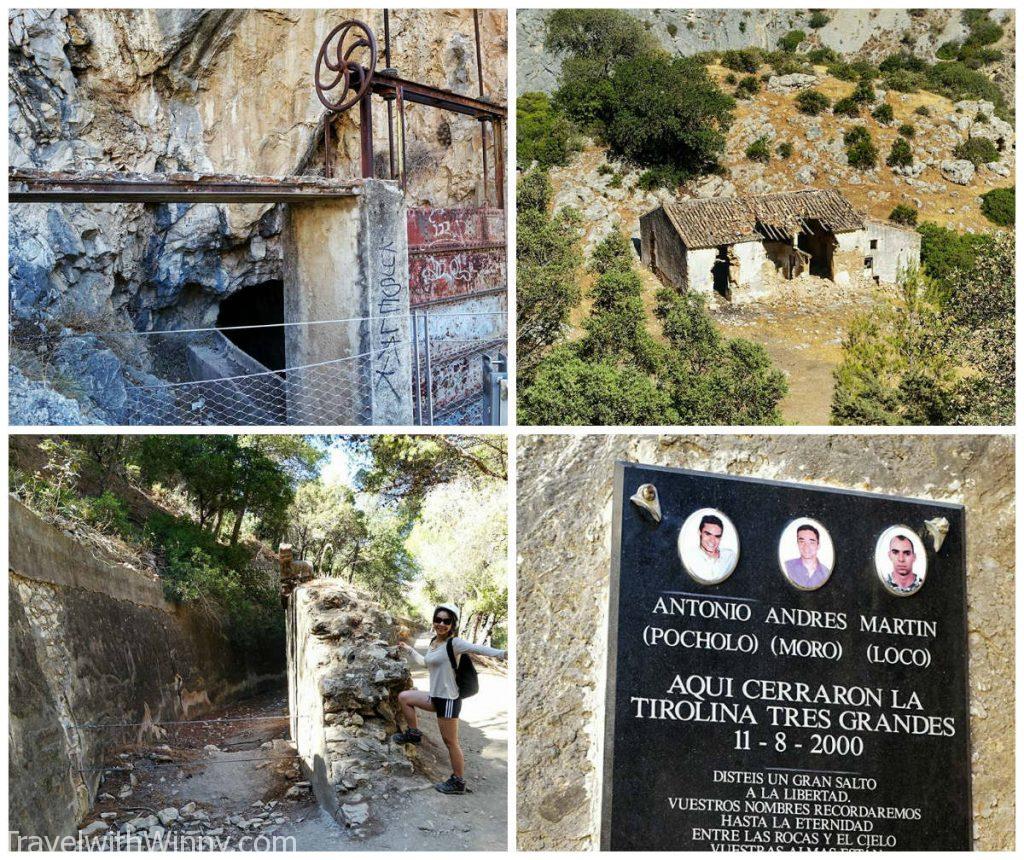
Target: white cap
pixel 450 608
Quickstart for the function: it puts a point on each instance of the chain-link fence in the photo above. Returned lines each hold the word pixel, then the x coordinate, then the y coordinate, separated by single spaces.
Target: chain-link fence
pixel 298 374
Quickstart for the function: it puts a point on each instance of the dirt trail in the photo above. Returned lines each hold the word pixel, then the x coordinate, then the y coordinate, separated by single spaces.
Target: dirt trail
pixel 236 785
pixel 427 820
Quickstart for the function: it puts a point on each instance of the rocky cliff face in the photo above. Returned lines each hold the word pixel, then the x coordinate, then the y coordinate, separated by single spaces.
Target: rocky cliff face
pixel 868 33
pixel 224 91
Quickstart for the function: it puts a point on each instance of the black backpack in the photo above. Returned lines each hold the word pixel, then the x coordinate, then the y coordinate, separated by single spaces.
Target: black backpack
pixel 465 673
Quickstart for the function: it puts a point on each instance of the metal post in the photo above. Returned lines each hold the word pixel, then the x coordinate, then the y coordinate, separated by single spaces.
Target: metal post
pixel 416 393
pixel 366 135
pixel 430 392
pixel 480 86
pixel 401 131
pixel 391 121
pixel 499 162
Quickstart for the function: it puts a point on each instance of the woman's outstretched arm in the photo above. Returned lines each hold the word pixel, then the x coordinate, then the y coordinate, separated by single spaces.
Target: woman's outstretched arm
pixel 461 646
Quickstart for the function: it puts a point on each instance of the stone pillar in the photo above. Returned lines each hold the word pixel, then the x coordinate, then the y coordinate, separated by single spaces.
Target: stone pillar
pixel 348 260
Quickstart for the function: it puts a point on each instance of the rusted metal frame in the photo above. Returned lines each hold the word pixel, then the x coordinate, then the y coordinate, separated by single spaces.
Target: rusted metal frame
pixel 461 297
pixel 391 118
pixel 417 394
pixel 366 136
pixel 400 98
pixel 468 352
pixel 499 162
pixel 39 187
pixel 440 250
pixel 480 84
pixel 425 94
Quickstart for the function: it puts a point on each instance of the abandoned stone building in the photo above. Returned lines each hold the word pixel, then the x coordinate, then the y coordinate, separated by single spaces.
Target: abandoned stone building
pixel 735 246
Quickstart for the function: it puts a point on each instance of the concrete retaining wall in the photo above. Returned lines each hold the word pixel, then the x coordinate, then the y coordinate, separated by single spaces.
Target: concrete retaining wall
pixel 563 592
pixel 95 643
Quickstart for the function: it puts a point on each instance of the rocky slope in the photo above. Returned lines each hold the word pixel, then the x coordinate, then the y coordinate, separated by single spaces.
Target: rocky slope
pixel 225 91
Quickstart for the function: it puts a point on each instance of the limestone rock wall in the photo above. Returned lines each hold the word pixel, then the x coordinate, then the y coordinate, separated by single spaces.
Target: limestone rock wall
pixel 93 643
pixel 226 91
pixel 564 540
pixel 344 676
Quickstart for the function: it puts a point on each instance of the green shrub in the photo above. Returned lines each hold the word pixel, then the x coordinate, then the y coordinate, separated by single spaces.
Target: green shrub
pixel 861 151
pixel 948 51
pixel 999 206
pixel 945 251
pixel 903 81
pixel 662 177
pixel 818 20
pixel 904 214
pixel 785 149
pixel 985 32
pixel 108 513
pixel 543 134
pixel 907 130
pixel 812 102
pixel 977 150
pixel 883 113
pixel 846 107
pixel 791 41
pixel 787 64
pixel 922 110
pixel 863 93
pixel 957 82
pixel 823 56
pixel 748 87
pixel 759 150
pixel 901 155
pixel 730 79
pixel 615 181
pixel 744 60
pixel 903 60
pixel 672 30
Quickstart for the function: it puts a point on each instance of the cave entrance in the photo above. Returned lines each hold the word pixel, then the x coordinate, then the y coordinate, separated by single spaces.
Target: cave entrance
pixel 258 305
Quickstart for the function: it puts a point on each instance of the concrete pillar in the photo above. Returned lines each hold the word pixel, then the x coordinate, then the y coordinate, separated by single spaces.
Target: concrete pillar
pixel 348 259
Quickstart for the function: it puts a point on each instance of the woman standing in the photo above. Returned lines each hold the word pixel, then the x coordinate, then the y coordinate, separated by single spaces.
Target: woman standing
pixel 443 698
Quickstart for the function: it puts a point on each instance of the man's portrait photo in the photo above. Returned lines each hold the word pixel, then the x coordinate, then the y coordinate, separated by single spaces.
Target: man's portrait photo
pixel 901 561
pixel 806 554
pixel 709 546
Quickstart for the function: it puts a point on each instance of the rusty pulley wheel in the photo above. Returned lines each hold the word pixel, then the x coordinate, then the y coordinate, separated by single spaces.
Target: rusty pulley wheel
pixel 342 55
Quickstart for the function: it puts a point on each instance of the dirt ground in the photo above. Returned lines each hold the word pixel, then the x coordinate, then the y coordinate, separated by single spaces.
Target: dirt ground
pixel 235 784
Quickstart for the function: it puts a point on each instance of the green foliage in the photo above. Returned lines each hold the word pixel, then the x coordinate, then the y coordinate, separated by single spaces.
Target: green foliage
pixel 812 102
pixel 548 258
pixel 785 149
pixel 604 168
pixel 956 81
pixel 922 110
pixel 846 107
pixel 948 51
pixel 823 56
pixel 905 214
pixel 894 370
pixel 791 41
pixel 759 150
pixel 730 79
pixel 601 35
pixel 785 63
pixel 945 251
pixel 977 150
pixel 617 374
pixel 861 151
pixel 863 93
pixel 53 490
pixel 672 30
pixel 903 81
pixel 818 20
pixel 743 60
pixel 984 31
pixel 901 155
pixel 907 130
pixel 883 113
pixel 999 205
pixel 109 514
pixel 543 134
pixel 661 177
pixel 748 87
pixel 943 355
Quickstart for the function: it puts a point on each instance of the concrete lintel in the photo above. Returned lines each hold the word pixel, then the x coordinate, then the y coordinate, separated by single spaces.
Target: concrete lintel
pixel 44 186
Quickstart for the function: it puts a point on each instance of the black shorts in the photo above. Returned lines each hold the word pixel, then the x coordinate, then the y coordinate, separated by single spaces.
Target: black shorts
pixel 447 709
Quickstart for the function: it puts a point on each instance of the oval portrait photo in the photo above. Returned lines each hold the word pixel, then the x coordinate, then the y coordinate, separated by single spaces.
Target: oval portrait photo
pixel 806 554
pixel 901 561
pixel 709 546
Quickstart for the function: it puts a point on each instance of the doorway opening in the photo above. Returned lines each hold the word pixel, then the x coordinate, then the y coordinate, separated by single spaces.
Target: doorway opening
pixel 259 305
pixel 720 272
pixel 817 243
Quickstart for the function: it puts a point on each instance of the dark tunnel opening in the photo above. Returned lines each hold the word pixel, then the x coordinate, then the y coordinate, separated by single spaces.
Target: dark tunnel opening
pixel 258 305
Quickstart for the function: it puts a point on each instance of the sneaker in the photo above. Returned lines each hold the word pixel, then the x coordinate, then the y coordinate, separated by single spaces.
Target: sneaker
pixel 452 785
pixel 409 736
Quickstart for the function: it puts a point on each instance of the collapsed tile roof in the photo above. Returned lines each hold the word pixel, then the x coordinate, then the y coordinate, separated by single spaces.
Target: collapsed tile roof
pixel 753 218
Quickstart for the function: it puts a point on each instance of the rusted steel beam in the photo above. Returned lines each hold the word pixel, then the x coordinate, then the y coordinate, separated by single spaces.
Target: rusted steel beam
pixel 424 94
pixel 42 186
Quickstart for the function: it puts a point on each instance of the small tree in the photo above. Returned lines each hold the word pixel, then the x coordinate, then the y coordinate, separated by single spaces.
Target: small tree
pixel 759 150
pixel 846 107
pixel 791 41
pixel 748 87
pixel 818 20
pixel 904 214
pixel 883 113
pixel 863 93
pixel 543 134
pixel 861 151
pixel 977 150
pixel 999 206
pixel 901 154
pixel 907 130
pixel 812 102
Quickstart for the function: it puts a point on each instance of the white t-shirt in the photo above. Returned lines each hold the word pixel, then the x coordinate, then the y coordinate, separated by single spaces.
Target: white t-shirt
pixel 711 570
pixel 442 675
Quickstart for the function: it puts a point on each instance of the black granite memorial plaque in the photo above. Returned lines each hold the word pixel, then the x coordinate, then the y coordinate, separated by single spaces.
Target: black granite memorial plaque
pixel 811 700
